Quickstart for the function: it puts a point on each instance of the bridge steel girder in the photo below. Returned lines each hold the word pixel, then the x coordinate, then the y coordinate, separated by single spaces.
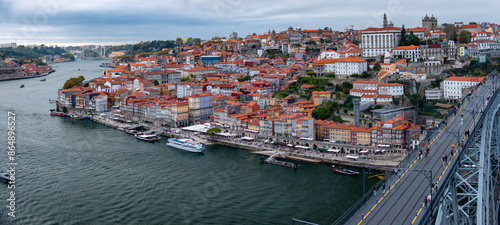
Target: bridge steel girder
pixel 468 197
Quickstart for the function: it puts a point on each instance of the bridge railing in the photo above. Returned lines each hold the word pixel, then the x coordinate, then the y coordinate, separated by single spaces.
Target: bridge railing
pixel 402 166
pixel 354 209
pixel 436 198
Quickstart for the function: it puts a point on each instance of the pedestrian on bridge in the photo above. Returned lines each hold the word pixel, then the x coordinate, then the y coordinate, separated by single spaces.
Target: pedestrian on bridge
pixel 374 191
pixel 425 201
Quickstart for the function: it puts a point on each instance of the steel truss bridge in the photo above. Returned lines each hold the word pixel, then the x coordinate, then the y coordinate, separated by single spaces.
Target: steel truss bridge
pixel 468 182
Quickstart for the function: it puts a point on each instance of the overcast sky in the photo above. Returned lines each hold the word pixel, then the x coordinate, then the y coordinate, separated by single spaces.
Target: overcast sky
pixel 67 22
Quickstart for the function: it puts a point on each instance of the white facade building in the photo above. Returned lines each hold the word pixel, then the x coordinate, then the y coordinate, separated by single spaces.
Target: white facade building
pixel 360 92
pixel 434 94
pixel 411 52
pixel 393 89
pixel 8 45
pixel 377 41
pixel 331 54
pixel 100 102
pixel 365 85
pixel 349 65
pixel 184 90
pixel 453 86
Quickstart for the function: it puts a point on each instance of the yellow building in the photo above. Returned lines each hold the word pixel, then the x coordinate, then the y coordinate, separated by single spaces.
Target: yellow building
pixel 462 51
pixel 360 135
pixel 254 125
pixel 180 115
pixel 165 88
pixel 320 96
pixel 339 132
pixel 387 67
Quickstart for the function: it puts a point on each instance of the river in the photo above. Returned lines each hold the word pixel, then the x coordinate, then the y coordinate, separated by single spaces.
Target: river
pixel 80 172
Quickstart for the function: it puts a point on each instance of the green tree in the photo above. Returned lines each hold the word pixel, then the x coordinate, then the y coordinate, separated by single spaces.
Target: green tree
pixel 70 56
pixel 332 106
pixel 145 54
pixel 156 83
pixel 254 46
pixel 244 78
pixel 320 113
pixel 355 41
pixel 377 67
pixel 197 40
pixel 348 102
pixel 185 79
pixel 364 74
pixel 436 83
pixel 338 119
pixel 402 41
pixel 189 41
pixel 213 130
pixel 306 96
pixel 178 41
pixel 451 31
pixel 126 58
pixel 464 36
pixel 344 87
pixel 311 73
pixel 69 84
pixel 331 75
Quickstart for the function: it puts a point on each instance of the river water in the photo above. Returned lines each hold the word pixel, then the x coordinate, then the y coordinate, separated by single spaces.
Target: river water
pixel 80 172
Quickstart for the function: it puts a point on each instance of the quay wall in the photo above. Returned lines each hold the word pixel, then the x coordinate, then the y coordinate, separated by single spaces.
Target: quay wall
pixel 390 161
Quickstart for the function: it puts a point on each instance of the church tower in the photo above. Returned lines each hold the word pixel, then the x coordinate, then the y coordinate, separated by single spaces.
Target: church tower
pixel 385 21
pixel 429 23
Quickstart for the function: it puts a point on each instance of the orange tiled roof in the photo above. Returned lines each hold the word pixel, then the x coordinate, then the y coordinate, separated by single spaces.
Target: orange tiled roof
pixel 351 59
pixel 406 47
pixel 476 79
pixel 365 82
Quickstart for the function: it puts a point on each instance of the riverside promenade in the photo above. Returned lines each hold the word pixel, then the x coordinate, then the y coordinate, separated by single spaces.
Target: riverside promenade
pixel 266 149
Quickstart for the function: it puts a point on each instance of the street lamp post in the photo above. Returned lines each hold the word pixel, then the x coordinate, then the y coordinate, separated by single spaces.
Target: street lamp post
pixel 427 174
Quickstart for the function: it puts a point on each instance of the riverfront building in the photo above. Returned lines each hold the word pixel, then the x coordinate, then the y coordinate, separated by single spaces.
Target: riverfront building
pixel 453 86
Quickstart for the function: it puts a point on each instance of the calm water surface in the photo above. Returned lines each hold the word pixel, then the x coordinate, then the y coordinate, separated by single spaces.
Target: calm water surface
pixel 80 172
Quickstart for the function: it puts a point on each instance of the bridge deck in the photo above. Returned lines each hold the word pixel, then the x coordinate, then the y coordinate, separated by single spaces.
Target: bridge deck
pixel 403 202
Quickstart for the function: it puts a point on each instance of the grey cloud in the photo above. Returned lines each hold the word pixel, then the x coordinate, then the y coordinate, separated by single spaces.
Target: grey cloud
pixel 130 21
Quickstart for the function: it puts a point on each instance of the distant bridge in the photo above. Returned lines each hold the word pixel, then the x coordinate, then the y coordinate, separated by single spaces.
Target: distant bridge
pixel 97 52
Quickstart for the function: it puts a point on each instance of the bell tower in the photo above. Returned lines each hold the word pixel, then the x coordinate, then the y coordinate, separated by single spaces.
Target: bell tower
pixel 385 20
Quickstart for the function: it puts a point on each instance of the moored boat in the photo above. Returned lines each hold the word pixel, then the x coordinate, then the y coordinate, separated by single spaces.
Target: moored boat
pixel 148 137
pixel 43 79
pixel 22 85
pixel 4 176
pixel 56 113
pixel 186 144
pixel 345 171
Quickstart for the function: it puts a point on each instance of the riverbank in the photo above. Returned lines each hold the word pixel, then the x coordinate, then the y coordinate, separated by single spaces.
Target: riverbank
pixel 314 156
pixel 21 76
pixel 265 149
